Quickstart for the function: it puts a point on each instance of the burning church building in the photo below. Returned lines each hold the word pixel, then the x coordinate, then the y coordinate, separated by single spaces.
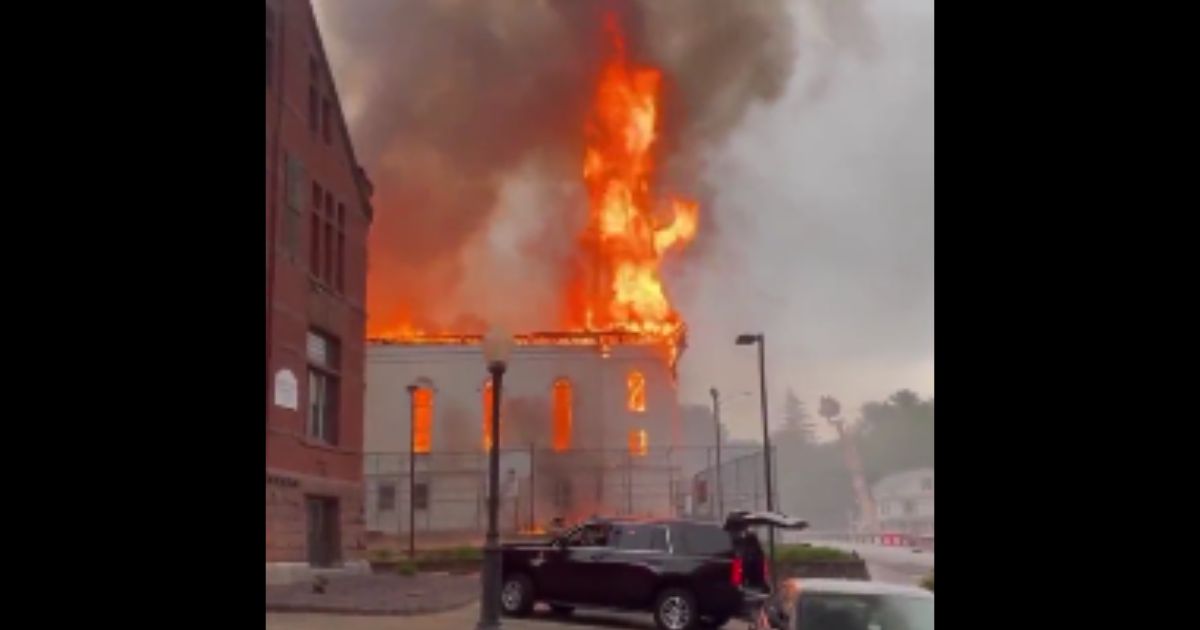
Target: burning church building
pixel 590 419
pixel 587 425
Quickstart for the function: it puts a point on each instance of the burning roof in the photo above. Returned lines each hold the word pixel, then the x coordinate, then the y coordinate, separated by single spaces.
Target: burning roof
pixel 672 344
pixel 616 295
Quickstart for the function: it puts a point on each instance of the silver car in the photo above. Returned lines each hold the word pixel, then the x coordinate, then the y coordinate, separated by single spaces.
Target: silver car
pixel 825 604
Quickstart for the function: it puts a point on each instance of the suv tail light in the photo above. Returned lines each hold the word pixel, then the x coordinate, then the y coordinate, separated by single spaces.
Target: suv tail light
pixel 735 572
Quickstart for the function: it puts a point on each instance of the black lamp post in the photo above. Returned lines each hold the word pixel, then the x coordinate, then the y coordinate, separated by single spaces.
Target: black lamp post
pixel 496 347
pixel 412 471
pixel 761 341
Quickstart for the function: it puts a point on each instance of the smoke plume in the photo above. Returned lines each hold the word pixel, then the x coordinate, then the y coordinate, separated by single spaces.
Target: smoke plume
pixel 468 117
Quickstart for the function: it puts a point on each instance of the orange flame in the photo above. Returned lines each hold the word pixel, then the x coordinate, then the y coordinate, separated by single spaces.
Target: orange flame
pixel 626 239
pixel 617 294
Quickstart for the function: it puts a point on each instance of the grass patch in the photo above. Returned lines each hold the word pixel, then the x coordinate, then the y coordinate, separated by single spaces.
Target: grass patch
pixel 381 555
pixel 455 554
pixel 796 554
pixel 406 568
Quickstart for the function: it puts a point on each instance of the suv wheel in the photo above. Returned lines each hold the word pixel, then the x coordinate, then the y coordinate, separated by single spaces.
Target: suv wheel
pixel 516 595
pixel 675 609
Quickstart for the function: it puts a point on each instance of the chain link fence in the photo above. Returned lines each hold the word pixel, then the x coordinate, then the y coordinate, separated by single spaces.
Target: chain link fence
pixel 442 497
pixel 738 483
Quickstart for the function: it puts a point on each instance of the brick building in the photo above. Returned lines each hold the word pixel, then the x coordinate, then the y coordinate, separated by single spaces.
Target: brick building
pixel 318 214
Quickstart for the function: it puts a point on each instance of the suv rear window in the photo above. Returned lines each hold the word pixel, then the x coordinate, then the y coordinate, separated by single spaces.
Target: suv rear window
pixel 704 540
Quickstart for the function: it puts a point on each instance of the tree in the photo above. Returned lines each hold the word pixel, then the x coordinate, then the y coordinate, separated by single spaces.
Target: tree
pixel 897 434
pixel 830 408
pixel 905 399
pixel 797 423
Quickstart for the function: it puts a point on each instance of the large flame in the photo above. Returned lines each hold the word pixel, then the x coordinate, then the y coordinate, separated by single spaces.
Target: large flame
pixel 629 231
pixel 617 296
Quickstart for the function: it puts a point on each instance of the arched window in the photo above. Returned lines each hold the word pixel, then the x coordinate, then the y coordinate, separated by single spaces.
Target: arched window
pixel 422 438
pixel 487 415
pixel 638 442
pixel 560 429
pixel 636 392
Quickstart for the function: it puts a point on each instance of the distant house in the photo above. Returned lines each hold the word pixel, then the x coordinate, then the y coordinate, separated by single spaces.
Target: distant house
pixel 904 502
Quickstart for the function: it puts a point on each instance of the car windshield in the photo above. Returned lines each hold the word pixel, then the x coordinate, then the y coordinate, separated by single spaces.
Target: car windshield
pixel 844 611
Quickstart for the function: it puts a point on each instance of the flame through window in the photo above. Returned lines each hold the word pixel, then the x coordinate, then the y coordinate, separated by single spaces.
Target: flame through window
pixel 422 420
pixel 636 392
pixel 561 430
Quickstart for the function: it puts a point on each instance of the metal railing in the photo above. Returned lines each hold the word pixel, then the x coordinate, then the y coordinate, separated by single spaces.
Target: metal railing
pixel 447 496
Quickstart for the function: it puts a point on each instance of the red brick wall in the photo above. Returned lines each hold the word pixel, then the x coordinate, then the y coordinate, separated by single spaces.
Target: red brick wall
pixel 286 518
pixel 297 300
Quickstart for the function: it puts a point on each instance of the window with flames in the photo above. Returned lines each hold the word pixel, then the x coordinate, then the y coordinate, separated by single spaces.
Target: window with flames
pixel 560 435
pixel 636 383
pixel 422 436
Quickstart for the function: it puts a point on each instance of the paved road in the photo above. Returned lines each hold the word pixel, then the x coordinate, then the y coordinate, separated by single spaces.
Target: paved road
pixel 461 619
pixel 886 564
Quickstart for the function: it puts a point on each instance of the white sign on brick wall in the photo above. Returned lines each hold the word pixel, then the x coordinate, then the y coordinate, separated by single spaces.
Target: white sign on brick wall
pixel 287 392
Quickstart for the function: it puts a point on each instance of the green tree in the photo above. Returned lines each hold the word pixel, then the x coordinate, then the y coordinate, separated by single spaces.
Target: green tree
pixel 897 434
pixel 797 423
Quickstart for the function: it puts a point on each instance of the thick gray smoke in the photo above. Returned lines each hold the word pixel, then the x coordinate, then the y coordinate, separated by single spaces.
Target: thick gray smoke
pixel 468 117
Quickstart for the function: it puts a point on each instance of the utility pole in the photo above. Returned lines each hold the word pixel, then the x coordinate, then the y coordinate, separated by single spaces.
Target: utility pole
pixel 760 339
pixel 716 398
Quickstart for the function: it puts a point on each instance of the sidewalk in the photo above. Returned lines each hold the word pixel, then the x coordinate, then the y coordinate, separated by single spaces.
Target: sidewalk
pixel 459 619
pixel 463 618
pixel 381 594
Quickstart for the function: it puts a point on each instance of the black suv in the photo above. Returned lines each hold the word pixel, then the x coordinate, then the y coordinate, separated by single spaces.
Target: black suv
pixel 689 574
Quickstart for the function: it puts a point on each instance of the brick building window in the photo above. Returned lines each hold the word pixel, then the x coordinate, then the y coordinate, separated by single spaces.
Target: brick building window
pixel 293 186
pixel 636 384
pixel 323 386
pixel 328 249
pixel 422 436
pixel 270 43
pixel 314 232
pixel 327 239
pixel 314 88
pixel 340 276
pixel 560 431
pixel 386 500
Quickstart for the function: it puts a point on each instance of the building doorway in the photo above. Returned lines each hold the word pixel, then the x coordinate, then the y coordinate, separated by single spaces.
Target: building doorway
pixel 323 536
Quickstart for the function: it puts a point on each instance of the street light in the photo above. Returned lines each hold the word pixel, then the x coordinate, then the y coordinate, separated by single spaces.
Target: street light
pixel 761 341
pixel 420 383
pixel 497 345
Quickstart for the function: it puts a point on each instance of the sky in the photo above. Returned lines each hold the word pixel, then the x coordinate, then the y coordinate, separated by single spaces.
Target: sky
pixel 821 228
pixel 826 238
